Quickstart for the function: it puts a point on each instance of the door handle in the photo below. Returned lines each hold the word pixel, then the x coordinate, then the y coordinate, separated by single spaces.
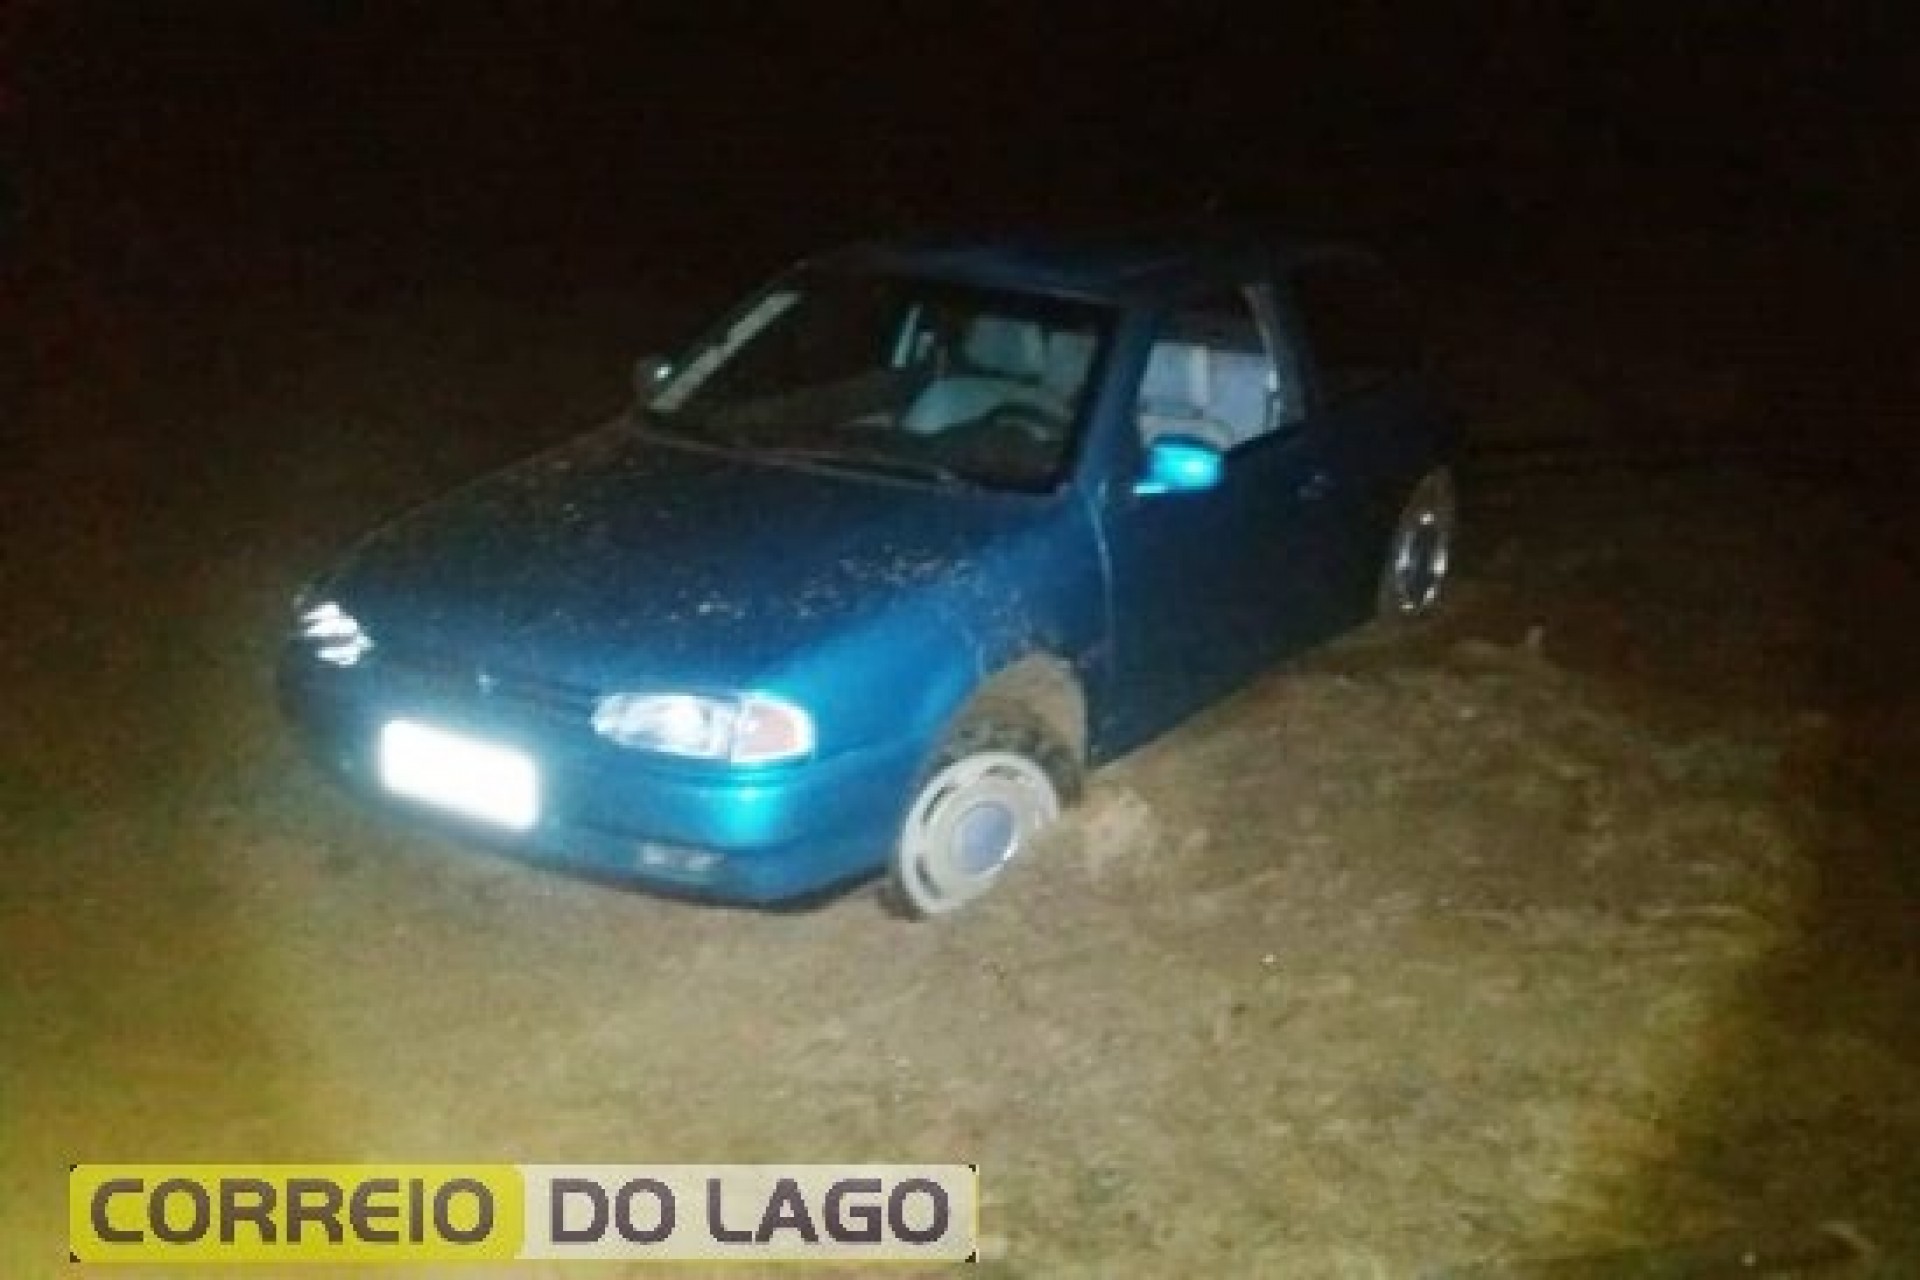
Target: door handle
pixel 1315 485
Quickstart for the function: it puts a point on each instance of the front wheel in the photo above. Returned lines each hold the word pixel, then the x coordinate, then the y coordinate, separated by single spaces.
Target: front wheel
pixel 999 780
pixel 1420 552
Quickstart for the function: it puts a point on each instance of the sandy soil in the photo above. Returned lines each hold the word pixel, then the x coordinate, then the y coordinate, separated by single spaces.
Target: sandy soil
pixel 1580 927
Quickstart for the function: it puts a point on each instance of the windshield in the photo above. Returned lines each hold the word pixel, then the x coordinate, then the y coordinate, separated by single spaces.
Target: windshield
pixel 895 375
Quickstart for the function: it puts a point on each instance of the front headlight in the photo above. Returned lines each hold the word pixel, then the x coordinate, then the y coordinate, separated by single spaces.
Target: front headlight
pixel 336 635
pixel 750 729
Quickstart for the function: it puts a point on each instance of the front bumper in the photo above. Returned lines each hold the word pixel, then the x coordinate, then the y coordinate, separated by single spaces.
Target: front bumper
pixel 752 836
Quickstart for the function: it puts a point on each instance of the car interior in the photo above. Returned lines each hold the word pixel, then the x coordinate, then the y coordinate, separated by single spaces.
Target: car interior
pixel 1211 378
pixel 1005 364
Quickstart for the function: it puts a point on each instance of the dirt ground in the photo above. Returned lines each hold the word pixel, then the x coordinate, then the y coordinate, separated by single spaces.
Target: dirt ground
pixel 1573 937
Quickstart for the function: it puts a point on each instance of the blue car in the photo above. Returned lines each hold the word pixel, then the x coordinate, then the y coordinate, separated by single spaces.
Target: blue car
pixel 872 573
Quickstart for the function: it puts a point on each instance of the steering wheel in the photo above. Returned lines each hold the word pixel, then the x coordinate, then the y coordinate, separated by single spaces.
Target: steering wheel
pixel 1033 424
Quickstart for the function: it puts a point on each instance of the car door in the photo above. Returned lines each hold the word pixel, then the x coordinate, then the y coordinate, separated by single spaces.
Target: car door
pixel 1360 354
pixel 1209 586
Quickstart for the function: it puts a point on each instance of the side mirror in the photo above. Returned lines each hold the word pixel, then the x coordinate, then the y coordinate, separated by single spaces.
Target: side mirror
pixel 650 373
pixel 1181 464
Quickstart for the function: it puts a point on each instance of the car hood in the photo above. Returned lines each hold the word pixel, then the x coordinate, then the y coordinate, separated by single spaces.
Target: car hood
pixel 623 560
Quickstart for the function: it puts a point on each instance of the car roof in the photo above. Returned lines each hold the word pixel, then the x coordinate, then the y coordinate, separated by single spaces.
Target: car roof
pixel 1132 266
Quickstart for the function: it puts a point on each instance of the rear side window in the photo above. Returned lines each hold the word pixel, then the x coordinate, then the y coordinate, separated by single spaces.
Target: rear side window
pixel 1211 374
pixel 1359 327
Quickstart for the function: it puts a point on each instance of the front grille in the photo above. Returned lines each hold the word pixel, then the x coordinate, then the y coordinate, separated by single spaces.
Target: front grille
pixel 443 678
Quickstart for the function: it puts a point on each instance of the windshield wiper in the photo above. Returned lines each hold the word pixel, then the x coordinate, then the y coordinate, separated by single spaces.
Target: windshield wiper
pixel 666 427
pixel 870 460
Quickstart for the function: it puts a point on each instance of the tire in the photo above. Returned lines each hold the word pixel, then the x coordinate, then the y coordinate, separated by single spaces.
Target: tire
pixel 1413 572
pixel 999 779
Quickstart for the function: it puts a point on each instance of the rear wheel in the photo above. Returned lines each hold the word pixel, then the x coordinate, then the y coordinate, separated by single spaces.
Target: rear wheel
pixel 1420 551
pixel 1000 779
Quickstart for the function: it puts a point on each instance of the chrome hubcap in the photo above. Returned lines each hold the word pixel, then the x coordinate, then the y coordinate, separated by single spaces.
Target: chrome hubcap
pixel 968 822
pixel 1422 547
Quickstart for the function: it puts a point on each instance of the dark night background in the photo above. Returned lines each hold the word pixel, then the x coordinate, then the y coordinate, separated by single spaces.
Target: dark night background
pixel 250 246
pixel 1729 178
pixel 203 143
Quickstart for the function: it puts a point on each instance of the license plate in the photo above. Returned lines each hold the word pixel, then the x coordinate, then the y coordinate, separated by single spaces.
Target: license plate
pixel 476 779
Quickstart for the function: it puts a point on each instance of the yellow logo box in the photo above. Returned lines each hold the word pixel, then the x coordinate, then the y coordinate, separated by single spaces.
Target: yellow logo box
pixel 293 1213
pixel 211 1213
